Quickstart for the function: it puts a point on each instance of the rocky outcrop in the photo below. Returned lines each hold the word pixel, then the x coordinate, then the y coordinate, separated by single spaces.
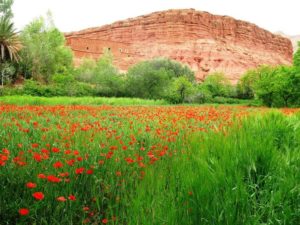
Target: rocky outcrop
pixel 294 39
pixel 206 42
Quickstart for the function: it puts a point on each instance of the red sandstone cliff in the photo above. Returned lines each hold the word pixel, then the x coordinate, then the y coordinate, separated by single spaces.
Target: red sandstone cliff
pixel 206 42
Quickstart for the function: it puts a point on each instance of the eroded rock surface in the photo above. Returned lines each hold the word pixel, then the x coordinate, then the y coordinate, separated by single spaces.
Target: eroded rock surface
pixel 206 42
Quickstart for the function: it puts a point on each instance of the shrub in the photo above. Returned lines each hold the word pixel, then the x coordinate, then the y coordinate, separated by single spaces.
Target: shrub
pixel 218 85
pixel 151 79
pixel 179 90
pixel 44 53
pixel 245 86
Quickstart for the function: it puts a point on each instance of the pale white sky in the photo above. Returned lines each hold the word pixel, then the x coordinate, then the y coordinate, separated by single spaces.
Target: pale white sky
pixel 72 15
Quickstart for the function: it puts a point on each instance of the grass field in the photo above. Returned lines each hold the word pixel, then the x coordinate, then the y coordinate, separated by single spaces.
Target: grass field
pixel 31 100
pixel 149 165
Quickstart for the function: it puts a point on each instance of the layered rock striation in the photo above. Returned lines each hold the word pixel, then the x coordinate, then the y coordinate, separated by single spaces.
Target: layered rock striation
pixel 206 42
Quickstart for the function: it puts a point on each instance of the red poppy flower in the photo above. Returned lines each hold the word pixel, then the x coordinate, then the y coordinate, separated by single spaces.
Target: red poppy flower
pixel 118 173
pixel 72 197
pixel 79 170
pixel 90 171
pixel 30 185
pixel 5 151
pixel 42 176
pixel 37 157
pixel 35 145
pixel 23 211
pixel 105 221
pixel 85 208
pixel 129 160
pixel 53 179
pixel 61 199
pixel 54 149
pixel 58 164
pixel 38 195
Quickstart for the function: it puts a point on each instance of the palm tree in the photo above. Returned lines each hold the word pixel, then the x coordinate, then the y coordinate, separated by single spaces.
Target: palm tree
pixel 10 44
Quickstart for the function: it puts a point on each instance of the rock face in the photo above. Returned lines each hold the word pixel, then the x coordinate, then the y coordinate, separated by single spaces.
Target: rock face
pixel 206 42
pixel 294 39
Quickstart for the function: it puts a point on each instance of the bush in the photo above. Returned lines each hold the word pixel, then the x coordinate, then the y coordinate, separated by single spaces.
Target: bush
pixel 278 86
pixel 152 79
pixel 218 85
pixel 245 86
pixel 44 53
pixel 59 89
pixel 179 90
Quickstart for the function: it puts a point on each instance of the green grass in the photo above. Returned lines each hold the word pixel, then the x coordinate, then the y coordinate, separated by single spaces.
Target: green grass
pixel 249 176
pixel 31 100
pixel 201 165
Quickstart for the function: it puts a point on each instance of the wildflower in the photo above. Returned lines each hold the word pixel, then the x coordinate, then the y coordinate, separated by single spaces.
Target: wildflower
pixel 42 176
pixel 61 199
pixel 5 151
pixel 30 185
pixel 35 145
pixel 72 198
pixel 58 164
pixel 45 151
pixel 37 157
pixel 85 208
pixel 129 160
pixel 90 171
pixel 23 211
pixel 38 195
pixel 118 173
pixel 55 150
pixel 53 179
pixel 105 221
pixel 79 170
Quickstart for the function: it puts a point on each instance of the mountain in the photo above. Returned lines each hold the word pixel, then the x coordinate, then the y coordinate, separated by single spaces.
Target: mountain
pixel 207 43
pixel 294 39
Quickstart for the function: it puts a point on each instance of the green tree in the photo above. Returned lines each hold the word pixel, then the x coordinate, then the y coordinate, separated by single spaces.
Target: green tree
pixel 44 53
pixel 296 60
pixel 144 81
pixel 86 70
pixel 172 67
pixel 179 89
pixel 109 82
pixel 218 85
pixel 5 8
pixel 263 87
pixel 151 79
pixel 10 45
pixel 245 89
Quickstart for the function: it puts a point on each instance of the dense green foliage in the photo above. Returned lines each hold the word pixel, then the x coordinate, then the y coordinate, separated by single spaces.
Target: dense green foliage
pixel 44 53
pixel 297 57
pixel 274 86
pixel 105 78
pixel 6 8
pixel 151 79
pixel 218 85
pixel 9 43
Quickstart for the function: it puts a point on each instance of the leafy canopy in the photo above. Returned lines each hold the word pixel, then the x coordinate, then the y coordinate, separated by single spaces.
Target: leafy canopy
pixel 44 53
